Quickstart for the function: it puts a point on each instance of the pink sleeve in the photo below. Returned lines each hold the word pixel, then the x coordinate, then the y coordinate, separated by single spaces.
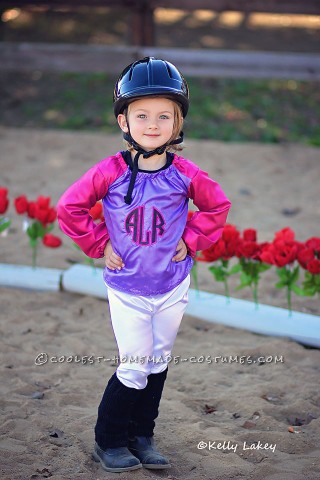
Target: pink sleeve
pixel 206 225
pixel 74 205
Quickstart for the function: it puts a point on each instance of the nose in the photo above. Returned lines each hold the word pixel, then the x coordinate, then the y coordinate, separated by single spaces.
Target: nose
pixel 153 124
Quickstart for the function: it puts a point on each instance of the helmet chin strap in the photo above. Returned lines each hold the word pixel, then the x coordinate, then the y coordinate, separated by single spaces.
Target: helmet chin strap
pixel 146 154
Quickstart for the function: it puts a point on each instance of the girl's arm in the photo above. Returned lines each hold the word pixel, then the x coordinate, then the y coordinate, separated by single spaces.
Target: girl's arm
pixel 206 225
pixel 73 213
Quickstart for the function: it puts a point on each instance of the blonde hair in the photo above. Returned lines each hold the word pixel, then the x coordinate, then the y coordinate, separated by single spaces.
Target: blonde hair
pixel 177 127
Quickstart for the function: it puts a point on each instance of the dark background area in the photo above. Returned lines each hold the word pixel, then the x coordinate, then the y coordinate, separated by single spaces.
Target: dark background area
pixel 272 111
pixel 173 28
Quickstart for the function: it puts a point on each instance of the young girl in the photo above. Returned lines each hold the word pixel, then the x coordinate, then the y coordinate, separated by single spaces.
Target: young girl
pixel 148 246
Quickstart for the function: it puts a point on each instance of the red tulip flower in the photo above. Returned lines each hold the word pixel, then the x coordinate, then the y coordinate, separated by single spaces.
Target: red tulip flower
pixel 4 201
pixel 222 252
pixel 314 266
pixel 249 235
pixel 43 217
pixel 251 265
pixel 4 204
pixel 309 259
pixel 51 241
pixel 21 204
pixel 96 212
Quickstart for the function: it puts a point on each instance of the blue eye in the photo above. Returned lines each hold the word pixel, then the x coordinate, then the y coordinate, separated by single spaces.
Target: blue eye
pixel 164 117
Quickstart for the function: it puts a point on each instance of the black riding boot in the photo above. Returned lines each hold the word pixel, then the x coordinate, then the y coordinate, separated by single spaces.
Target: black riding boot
pixel 111 430
pixel 142 424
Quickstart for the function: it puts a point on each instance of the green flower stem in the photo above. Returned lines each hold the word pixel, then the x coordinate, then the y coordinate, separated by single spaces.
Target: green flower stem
pixel 255 294
pixel 194 274
pixel 288 276
pixel 226 290
pixel 221 273
pixel 34 255
pixel 289 296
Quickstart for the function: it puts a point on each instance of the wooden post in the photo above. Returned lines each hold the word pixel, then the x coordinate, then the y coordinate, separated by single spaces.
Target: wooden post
pixel 2 24
pixel 142 25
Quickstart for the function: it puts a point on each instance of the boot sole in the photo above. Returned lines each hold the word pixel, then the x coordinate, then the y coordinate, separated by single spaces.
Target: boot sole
pixel 155 466
pixel 114 469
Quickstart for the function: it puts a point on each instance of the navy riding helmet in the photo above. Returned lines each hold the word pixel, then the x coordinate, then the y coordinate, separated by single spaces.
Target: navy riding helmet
pixel 150 77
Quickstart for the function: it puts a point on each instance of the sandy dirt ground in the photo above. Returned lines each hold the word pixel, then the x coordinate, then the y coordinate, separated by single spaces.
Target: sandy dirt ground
pixel 238 413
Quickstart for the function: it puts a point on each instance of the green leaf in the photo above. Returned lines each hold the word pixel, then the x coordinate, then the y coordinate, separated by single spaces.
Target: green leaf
pixel 283 273
pixel 264 267
pixel 242 261
pixel 36 230
pixel 235 269
pixel 245 280
pixel 295 275
pixel 309 292
pixel 4 224
pixel 298 290
pixel 311 283
pixel 32 231
pixel 218 273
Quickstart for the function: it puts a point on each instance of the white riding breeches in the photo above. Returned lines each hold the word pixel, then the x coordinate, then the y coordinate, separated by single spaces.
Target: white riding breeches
pixel 145 329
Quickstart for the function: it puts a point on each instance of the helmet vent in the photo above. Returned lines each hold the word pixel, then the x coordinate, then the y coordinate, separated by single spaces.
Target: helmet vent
pixel 168 70
pixel 130 74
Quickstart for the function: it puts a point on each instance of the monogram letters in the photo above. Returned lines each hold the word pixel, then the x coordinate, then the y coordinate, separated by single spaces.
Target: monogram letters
pixel 135 226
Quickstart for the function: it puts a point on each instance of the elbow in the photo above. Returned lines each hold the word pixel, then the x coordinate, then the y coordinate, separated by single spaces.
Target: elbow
pixel 62 212
pixel 60 207
pixel 226 204
pixel 225 208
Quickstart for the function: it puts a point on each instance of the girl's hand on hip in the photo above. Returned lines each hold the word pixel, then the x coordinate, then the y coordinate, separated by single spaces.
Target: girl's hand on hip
pixel 112 260
pixel 181 251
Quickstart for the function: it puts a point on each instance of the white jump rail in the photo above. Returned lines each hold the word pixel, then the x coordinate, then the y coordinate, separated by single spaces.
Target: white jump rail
pixel 22 276
pixel 266 320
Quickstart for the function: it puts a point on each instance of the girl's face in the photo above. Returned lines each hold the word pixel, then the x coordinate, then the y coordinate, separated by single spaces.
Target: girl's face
pixel 151 122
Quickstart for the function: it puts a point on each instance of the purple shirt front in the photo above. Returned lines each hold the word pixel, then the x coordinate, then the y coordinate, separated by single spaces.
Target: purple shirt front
pixel 146 233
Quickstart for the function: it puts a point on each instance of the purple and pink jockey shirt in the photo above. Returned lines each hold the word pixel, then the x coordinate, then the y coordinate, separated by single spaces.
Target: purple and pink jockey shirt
pixel 146 233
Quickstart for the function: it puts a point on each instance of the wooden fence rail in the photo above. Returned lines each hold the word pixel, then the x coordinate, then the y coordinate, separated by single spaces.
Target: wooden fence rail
pixel 204 63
